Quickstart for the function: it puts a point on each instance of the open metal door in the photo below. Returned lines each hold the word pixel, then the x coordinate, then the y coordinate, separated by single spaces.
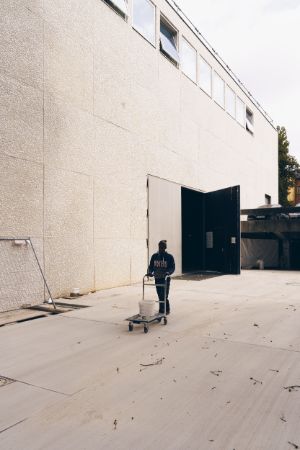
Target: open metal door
pixel 222 226
pixel 164 217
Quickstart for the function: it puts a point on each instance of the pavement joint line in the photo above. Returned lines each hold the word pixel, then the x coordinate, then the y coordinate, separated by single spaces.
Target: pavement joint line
pixel 40 387
pixel 90 320
pixel 231 341
pixel 14 425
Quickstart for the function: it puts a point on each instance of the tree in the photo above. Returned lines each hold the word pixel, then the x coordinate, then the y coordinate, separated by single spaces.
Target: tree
pixel 287 166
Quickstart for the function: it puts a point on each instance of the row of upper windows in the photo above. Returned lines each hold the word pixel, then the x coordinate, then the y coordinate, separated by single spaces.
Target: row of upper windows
pixel 143 21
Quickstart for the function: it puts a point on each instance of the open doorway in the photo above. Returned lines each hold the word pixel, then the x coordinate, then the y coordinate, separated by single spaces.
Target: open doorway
pixel 295 254
pixel 202 229
pixel 193 230
pixel 211 230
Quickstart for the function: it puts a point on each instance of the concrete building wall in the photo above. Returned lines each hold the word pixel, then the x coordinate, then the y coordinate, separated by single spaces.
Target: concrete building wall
pixel 88 109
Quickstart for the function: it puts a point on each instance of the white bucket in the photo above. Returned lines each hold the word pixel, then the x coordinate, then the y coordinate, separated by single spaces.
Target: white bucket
pixel 147 308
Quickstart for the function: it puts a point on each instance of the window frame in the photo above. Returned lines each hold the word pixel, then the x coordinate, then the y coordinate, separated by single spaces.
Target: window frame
pixel 112 5
pixel 229 89
pixel 155 24
pixel 211 76
pixel 175 33
pixel 237 100
pixel 249 120
pixel 214 77
pixel 183 39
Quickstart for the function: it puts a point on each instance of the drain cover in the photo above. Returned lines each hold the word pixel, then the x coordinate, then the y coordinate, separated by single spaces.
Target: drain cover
pixel 4 381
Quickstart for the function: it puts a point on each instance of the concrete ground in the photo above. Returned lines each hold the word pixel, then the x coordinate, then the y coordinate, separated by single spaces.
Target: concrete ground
pixel 215 377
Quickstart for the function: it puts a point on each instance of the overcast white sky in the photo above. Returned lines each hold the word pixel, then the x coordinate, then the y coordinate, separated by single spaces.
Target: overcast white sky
pixel 259 40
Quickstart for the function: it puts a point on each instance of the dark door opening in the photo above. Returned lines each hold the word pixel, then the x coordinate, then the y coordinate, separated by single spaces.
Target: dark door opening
pixel 222 220
pixel 211 230
pixel 295 254
pixel 193 224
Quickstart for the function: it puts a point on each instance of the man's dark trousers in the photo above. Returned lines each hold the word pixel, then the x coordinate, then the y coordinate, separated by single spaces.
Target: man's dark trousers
pixel 161 294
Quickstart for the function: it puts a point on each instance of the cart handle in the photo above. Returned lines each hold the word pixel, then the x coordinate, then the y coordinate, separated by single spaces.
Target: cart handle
pixel 147 275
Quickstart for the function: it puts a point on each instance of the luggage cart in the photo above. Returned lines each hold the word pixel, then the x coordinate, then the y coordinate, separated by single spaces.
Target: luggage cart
pixel 158 317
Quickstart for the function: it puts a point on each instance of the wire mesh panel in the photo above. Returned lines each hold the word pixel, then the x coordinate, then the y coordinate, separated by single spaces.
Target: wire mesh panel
pixel 22 282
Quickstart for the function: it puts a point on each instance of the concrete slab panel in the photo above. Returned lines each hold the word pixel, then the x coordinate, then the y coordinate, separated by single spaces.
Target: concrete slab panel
pixel 138 208
pixel 147 119
pixel 112 262
pixel 21 120
pixel 169 85
pixel 69 137
pixel 230 388
pixel 106 42
pixel 21 282
pixel 139 260
pixel 69 263
pixel 68 204
pixel 111 202
pixel 34 6
pixel 68 68
pixel 21 208
pixel 117 88
pixel 113 145
pixel 21 401
pixel 75 17
pixel 144 62
pixel 21 43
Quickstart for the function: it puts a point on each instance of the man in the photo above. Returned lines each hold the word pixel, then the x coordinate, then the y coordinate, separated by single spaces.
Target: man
pixel 162 264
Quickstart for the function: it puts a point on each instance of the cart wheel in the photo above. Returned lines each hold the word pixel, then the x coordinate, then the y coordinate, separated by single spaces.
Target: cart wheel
pixel 130 327
pixel 146 329
pixel 165 321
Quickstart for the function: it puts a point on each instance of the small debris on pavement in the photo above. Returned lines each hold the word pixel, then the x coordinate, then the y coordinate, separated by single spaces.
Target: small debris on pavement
pixel 214 387
pixel 115 424
pixel 292 388
pixel 256 381
pixel 294 445
pixel 156 363
pixel 216 372
pixel 274 370
pixel 255 325
pixel 118 370
pixel 283 418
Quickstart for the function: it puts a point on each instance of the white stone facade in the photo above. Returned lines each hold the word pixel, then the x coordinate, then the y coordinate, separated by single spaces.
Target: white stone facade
pixel 89 108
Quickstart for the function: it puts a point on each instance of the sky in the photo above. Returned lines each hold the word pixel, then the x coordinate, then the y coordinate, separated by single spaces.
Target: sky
pixel 259 40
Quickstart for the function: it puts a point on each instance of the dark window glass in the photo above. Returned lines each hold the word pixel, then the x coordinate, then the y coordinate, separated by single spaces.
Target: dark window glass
pixel 168 42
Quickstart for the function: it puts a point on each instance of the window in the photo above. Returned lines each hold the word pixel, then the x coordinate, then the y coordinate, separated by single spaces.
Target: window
pixel 230 101
pixel 143 19
pixel 240 111
pixel 267 199
pixel 168 41
pixel 188 60
pixel 205 76
pixel 219 90
pixel 120 6
pixel 249 121
pixel 298 190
